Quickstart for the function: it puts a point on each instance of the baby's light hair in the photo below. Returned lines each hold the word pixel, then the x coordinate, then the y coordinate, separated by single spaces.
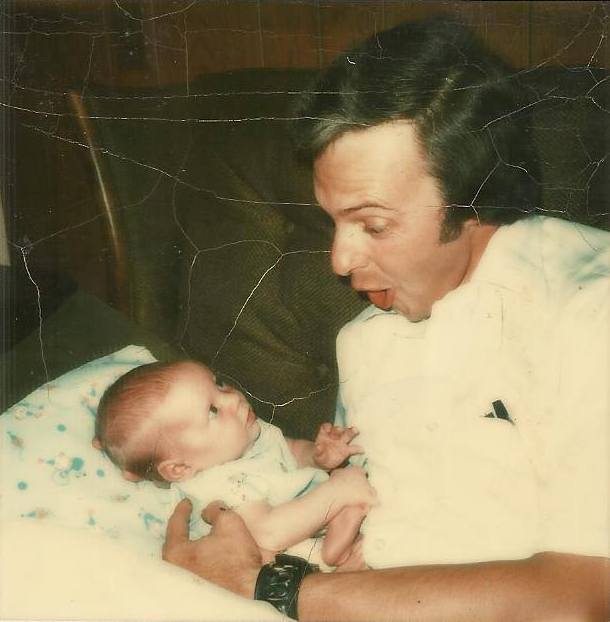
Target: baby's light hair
pixel 125 411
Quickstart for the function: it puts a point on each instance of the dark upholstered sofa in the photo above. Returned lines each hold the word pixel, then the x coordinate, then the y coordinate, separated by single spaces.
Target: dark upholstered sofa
pixel 219 252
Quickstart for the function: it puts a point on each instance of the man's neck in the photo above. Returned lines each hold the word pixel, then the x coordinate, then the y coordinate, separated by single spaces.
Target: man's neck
pixel 481 235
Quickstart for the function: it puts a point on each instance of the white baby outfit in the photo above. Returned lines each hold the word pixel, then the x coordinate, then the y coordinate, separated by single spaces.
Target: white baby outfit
pixel 486 427
pixel 268 472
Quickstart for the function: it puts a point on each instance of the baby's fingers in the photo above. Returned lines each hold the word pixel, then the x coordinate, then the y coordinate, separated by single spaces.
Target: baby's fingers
pixel 325 429
pixel 348 434
pixel 353 450
pixel 373 499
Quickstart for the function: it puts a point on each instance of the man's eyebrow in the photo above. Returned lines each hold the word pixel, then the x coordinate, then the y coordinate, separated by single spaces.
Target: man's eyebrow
pixel 365 205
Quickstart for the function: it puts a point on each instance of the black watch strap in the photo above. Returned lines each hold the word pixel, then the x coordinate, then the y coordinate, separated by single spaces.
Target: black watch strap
pixel 279 581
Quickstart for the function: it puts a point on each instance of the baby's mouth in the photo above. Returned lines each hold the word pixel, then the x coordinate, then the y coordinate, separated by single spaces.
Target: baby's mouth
pixel 248 416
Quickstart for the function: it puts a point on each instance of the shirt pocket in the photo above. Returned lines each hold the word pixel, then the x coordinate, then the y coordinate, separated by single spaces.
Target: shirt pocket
pixel 489 485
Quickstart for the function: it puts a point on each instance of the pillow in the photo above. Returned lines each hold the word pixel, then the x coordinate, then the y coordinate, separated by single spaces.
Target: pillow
pixel 53 573
pixel 52 474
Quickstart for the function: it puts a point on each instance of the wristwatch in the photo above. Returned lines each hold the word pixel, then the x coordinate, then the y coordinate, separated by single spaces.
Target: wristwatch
pixel 278 582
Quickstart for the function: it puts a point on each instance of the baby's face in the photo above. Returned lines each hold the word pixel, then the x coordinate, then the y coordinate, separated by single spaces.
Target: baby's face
pixel 207 424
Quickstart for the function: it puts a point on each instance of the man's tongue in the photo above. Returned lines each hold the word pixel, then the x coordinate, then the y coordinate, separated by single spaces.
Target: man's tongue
pixel 383 298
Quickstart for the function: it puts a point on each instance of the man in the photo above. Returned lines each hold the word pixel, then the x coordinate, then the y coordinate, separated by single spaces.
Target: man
pixel 478 379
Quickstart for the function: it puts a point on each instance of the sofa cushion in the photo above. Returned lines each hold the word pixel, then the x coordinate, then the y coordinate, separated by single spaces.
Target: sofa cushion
pixel 259 268
pixel 228 252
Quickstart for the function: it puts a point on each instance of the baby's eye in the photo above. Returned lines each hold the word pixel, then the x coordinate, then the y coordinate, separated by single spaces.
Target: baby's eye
pixel 213 412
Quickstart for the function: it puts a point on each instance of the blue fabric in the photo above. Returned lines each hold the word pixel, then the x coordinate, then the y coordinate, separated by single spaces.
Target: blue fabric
pixel 52 473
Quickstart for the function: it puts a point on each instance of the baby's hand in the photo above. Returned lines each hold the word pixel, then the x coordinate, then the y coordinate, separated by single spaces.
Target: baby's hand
pixel 332 446
pixel 352 487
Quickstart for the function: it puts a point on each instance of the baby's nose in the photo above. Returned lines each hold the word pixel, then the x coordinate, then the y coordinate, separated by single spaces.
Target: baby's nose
pixel 230 398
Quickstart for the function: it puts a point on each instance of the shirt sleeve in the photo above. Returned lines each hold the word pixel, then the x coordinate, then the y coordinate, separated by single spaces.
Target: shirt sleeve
pixel 575 493
pixel 340 416
pixel 348 355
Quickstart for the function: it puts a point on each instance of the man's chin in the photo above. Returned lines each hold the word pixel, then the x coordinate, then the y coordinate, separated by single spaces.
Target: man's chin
pixel 383 298
pixel 418 318
pixel 387 299
pixel 413 314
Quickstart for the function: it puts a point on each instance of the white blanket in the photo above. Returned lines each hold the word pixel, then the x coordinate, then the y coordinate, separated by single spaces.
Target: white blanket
pixel 48 572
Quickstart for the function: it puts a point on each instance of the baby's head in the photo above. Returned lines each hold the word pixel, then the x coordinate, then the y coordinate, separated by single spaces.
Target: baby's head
pixel 169 421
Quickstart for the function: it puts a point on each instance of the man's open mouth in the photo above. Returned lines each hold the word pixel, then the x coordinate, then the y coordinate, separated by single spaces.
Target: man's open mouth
pixel 382 298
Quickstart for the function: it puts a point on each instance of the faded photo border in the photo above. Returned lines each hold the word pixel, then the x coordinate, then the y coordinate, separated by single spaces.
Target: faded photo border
pixel 151 196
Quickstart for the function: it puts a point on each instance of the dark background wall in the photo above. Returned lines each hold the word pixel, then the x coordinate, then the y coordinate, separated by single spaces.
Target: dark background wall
pixel 52 46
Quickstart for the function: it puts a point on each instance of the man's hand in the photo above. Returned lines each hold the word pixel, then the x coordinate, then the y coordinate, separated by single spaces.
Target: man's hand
pixel 333 447
pixel 228 556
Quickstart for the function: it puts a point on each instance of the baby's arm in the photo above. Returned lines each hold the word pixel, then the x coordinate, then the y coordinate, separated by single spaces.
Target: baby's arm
pixel 275 528
pixel 302 451
pixel 330 450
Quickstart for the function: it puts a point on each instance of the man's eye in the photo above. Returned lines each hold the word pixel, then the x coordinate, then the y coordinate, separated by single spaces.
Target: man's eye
pixel 213 412
pixel 375 228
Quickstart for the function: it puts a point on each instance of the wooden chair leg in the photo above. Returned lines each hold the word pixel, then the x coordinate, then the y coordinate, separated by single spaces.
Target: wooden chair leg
pixel 107 207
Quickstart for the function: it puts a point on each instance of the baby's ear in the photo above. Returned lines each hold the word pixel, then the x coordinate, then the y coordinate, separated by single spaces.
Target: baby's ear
pixel 97 444
pixel 174 471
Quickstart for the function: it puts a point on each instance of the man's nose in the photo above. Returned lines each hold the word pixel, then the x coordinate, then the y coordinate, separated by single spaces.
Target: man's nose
pixel 346 256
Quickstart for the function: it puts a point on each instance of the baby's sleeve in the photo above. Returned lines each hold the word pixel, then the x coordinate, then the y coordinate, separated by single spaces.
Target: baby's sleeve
pixel 241 482
pixel 229 483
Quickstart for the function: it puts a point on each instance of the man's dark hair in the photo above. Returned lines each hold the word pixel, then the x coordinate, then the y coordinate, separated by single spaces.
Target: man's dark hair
pixel 466 105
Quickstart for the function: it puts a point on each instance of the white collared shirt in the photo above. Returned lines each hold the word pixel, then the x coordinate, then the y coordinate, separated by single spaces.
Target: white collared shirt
pixel 457 482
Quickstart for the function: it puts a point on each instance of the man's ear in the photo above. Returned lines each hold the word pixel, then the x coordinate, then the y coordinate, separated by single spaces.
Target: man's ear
pixel 174 470
pixel 470 223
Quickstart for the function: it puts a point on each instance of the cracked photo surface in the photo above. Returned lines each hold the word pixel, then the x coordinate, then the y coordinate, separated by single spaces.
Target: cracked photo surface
pixel 160 201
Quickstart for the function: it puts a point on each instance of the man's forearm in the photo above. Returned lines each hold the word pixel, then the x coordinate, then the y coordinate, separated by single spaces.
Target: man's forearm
pixel 547 587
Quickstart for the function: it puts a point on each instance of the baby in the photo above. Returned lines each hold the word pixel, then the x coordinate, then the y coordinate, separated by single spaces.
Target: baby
pixel 173 422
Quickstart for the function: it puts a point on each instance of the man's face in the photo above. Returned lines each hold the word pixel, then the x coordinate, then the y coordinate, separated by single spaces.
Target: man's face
pixel 388 212
pixel 206 424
